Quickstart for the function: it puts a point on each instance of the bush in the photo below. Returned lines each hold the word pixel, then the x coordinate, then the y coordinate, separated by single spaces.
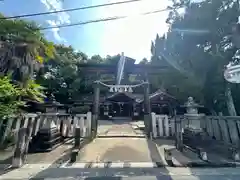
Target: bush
pixel 9 98
pixel 12 97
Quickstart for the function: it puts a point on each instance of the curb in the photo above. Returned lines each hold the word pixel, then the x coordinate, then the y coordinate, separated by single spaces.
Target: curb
pixel 205 164
pixel 121 136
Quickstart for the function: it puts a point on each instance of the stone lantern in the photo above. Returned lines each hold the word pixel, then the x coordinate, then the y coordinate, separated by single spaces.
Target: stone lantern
pixel 49 136
pixel 192 117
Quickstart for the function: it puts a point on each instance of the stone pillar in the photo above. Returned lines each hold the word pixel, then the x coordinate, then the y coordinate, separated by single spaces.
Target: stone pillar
pixel 19 153
pixel 178 132
pixel 147 110
pixel 95 108
pixel 77 140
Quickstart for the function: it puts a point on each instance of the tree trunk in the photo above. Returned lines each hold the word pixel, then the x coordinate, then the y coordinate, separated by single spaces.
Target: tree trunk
pixel 229 100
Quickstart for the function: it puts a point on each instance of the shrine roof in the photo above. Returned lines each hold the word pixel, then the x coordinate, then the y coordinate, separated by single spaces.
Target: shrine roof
pixel 159 93
pixel 139 98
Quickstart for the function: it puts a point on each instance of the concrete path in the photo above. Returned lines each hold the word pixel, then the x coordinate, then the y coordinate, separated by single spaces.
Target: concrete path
pixel 118 128
pixel 121 150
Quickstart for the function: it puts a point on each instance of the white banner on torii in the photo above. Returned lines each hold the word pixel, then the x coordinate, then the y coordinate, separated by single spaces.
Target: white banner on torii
pixel 120 68
pixel 120 88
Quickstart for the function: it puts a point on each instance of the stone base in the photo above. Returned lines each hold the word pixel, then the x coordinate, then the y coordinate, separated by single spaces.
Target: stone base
pixel 192 137
pixel 46 140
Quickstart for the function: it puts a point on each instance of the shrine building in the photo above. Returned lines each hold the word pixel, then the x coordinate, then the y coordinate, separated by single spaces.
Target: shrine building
pixel 125 100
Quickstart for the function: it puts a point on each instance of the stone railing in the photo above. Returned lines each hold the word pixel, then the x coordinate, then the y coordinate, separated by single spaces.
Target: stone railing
pixel 10 127
pixel 45 132
pixel 65 123
pixel 223 128
pixel 162 126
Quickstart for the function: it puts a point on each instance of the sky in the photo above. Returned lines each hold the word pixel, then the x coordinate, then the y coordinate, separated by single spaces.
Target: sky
pixel 132 35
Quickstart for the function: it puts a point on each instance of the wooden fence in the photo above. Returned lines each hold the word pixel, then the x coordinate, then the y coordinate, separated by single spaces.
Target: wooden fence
pixel 66 123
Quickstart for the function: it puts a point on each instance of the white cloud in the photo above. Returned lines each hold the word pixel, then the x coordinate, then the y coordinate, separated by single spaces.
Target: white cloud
pixel 61 18
pixel 56 31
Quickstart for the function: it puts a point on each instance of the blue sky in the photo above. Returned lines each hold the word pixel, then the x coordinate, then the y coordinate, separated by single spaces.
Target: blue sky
pixel 132 35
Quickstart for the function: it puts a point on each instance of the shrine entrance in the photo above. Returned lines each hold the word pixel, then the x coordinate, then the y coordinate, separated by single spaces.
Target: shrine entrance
pixel 122 109
pixel 121 103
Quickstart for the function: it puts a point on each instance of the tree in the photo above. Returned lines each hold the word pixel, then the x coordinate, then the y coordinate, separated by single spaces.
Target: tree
pixel 96 59
pixel 198 45
pixel 23 48
pixel 61 74
pixel 64 77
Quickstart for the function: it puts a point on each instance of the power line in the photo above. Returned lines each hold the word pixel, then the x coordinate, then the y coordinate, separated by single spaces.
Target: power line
pixel 71 9
pixel 102 20
pixel 85 22
pixel 98 20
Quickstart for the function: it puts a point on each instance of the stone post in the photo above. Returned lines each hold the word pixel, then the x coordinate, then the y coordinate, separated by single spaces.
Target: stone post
pixel 178 133
pixel 89 124
pixel 147 110
pixel 29 132
pixel 77 140
pixel 19 153
pixel 95 108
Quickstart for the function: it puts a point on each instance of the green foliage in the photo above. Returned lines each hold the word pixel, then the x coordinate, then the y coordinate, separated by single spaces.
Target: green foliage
pixel 197 46
pixel 64 77
pixel 9 97
pixel 22 46
pixel 33 91
pixel 12 97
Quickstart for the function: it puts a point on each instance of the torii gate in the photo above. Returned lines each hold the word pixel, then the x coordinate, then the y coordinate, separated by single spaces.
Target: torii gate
pixel 132 69
pixel 121 88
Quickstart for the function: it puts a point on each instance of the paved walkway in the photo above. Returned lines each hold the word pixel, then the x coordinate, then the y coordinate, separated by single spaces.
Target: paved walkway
pixel 121 150
pixel 120 144
pixel 118 128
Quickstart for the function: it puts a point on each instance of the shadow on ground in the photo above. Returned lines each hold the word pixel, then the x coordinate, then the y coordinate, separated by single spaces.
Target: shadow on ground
pixel 5 159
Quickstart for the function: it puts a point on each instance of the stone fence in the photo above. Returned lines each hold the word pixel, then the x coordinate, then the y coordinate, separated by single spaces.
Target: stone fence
pixel 64 123
pixel 225 129
pixel 162 126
